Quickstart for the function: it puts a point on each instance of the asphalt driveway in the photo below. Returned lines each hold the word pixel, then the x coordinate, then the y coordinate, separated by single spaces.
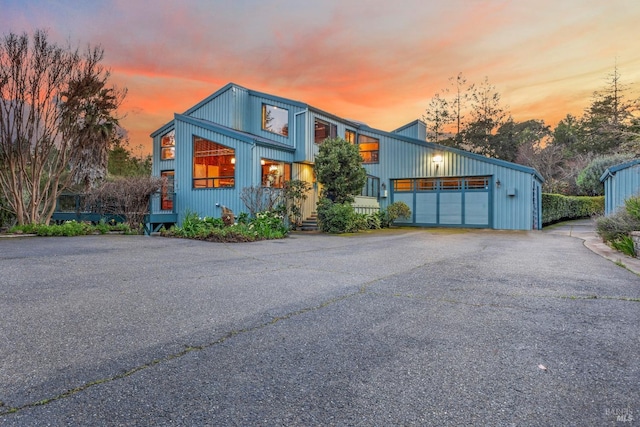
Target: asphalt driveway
pixel 403 327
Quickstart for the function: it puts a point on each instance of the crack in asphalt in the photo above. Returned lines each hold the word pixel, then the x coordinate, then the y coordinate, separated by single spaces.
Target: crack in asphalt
pixel 361 291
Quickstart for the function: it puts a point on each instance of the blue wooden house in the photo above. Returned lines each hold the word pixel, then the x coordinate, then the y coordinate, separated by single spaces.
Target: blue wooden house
pixel 620 182
pixel 239 137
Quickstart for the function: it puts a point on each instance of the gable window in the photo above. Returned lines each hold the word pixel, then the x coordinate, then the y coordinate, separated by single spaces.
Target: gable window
pixel 168 146
pixel 166 195
pixel 274 173
pixel 214 165
pixel 275 119
pixel 350 136
pixel 368 148
pixel 324 130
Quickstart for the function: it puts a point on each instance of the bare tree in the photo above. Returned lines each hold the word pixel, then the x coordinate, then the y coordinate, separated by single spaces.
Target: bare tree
pixel 42 134
pixel 459 102
pixel 436 117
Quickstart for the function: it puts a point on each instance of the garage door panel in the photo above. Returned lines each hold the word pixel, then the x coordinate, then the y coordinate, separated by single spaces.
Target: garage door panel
pixel 450 208
pixel 476 208
pixel 408 199
pixel 426 208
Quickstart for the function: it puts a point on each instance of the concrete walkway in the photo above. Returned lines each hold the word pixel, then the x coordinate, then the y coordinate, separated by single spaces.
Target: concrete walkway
pixel 584 229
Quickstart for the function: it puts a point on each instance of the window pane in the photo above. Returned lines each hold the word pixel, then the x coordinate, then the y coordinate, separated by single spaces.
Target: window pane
pixel 275 119
pixel 274 173
pixel 214 165
pixel 403 185
pixel 168 142
pixel 450 184
pixel 426 184
pixel 350 136
pixel 166 196
pixel 368 148
pixel 323 130
pixel 477 183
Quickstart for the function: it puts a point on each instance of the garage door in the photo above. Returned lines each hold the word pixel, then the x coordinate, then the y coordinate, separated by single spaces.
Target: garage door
pixel 453 202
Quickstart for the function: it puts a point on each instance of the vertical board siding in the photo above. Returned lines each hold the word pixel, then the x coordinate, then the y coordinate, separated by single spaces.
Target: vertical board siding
pixel 304 172
pixel 399 157
pixel 203 201
pixel 254 124
pixel 224 109
pixel 399 160
pixel 619 187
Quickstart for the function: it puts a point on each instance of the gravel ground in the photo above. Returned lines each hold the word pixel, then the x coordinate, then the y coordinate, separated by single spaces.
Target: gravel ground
pixel 402 327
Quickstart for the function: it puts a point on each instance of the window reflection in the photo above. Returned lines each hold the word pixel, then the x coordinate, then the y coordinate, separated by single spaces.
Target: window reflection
pixel 275 119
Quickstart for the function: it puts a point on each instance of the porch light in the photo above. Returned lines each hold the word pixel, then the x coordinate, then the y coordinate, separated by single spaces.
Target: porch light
pixel 498 183
pixel 437 158
pixel 233 160
pixel 262 162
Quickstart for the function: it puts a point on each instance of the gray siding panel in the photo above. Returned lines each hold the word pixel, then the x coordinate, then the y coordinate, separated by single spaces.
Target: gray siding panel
pixel 620 186
pixel 405 160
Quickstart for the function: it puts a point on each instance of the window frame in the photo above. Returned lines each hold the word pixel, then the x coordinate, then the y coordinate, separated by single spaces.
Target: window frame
pixel 350 136
pixel 277 181
pixel 167 191
pixel 331 130
pixel 168 145
pixel 214 181
pixel 266 128
pixel 372 155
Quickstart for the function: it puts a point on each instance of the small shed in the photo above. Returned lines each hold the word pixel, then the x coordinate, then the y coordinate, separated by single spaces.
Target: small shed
pixel 620 182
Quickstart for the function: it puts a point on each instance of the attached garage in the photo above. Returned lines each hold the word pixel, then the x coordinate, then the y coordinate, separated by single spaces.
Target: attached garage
pixel 447 201
pixel 449 187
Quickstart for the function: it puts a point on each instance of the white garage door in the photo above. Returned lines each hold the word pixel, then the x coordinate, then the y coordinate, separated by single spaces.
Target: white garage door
pixel 453 202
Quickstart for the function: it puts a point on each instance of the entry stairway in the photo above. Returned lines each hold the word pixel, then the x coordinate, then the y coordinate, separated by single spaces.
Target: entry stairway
pixel 311 223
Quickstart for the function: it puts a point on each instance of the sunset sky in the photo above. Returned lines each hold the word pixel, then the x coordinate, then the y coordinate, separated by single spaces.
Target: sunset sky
pixel 376 61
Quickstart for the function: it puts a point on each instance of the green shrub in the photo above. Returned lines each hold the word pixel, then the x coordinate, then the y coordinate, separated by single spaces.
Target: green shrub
pixel 624 244
pixel 374 221
pixel 266 225
pixel 632 206
pixel 397 210
pixel 616 226
pixel 68 228
pixel 556 207
pixel 336 217
pixel 588 180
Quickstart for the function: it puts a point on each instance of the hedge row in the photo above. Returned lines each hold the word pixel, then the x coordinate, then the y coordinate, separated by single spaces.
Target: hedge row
pixel 556 207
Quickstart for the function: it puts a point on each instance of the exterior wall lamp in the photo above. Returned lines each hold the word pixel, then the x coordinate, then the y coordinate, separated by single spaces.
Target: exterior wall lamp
pixel 383 191
pixel 437 158
pixel 498 183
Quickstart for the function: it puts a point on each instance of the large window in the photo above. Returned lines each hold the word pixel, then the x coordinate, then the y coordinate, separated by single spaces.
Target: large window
pixel 368 148
pixel 324 130
pixel 275 174
pixel 275 119
pixel 166 196
pixel 214 165
pixel 168 146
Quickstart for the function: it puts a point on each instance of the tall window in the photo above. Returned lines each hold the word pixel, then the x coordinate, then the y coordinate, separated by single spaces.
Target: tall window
pixel 324 130
pixel 368 148
pixel 350 136
pixel 275 119
pixel 166 196
pixel 275 174
pixel 214 165
pixel 168 146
